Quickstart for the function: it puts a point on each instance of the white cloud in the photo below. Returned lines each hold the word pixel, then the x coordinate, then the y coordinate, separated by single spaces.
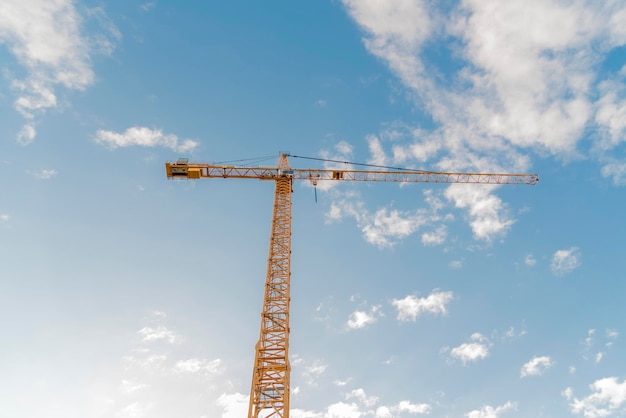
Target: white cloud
pixel 320 103
pixel 149 334
pixel 317 368
pixel 376 149
pixel 511 333
pixel 401 407
pixel 360 319
pixel 235 405
pixel 145 137
pixel 410 307
pixel 436 237
pixel 129 386
pixel 514 59
pixel 589 339
pixel 313 371
pixel 383 412
pixel 135 410
pixel 536 366
pixel 406 406
pixel 301 413
pixel 608 397
pixel 4 217
pixel 478 349
pixel 44 174
pixel 386 226
pixel 611 114
pixel 146 7
pixel 27 134
pixel 616 170
pixel 343 410
pixel 364 407
pixel 525 83
pixel 488 411
pixel 46 38
pixel 145 361
pixel 158 314
pixel 565 261
pixel 382 228
pixel 366 400
pixel 341 382
pixel 487 215
pixel 156 380
pixel 530 260
pixel 195 365
pixel 456 264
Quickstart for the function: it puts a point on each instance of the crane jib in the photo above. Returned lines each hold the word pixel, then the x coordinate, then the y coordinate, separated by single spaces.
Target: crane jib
pixel 197 171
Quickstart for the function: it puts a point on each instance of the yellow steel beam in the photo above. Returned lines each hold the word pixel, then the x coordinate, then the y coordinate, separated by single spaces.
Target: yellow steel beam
pixel 198 170
pixel 269 395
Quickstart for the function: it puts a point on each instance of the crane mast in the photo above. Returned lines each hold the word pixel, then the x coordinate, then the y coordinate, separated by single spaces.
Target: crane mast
pixel 270 390
pixel 270 377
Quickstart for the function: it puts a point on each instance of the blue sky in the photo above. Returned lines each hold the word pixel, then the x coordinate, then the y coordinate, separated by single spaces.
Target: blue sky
pixel 127 295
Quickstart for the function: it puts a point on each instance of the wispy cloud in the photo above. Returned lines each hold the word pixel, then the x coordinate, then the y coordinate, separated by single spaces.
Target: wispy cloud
pixel 199 365
pixel 401 407
pixel 147 6
pixel 43 174
pixel 611 333
pixel 376 150
pixel 476 349
pixel 411 306
pixel 360 319
pixel 365 399
pixel 596 346
pixel 455 264
pixel 156 379
pixel 617 171
pixel 536 366
pixel 608 397
pixel 47 40
pixel 149 334
pixel 359 404
pixel 526 82
pixel 144 137
pixel 489 411
pixel 234 405
pixel 386 226
pixel 565 261
pixel 436 237
pixel 488 216
pixel 530 260
pixel 311 371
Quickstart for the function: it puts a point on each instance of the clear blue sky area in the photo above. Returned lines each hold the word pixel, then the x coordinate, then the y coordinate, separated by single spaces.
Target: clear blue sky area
pixel 127 295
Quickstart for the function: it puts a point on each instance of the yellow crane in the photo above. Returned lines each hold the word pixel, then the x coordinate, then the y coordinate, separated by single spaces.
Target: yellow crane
pixel 269 394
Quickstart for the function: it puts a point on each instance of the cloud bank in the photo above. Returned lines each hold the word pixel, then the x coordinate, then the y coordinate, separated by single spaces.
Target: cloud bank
pixel 516 80
pixel 47 38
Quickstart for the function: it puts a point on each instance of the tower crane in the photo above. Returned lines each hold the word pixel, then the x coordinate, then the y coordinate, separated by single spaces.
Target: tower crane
pixel 269 393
